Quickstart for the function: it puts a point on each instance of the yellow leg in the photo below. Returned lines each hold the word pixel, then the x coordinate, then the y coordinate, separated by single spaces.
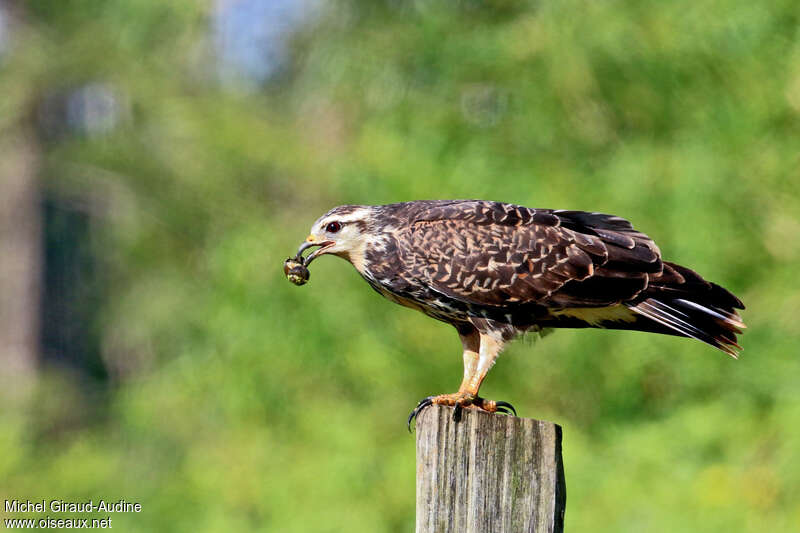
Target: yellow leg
pixel 480 354
pixel 480 361
pixel 472 345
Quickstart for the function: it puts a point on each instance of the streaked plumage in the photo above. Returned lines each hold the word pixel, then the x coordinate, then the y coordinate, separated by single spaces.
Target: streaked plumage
pixel 495 270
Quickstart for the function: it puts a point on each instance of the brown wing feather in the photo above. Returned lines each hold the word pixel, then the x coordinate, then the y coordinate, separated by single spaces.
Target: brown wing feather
pixel 495 254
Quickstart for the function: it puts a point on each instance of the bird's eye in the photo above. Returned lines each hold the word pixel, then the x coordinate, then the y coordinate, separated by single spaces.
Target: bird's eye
pixel 333 227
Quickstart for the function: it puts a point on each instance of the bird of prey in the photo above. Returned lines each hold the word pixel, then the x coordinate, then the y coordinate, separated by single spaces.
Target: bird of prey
pixel 495 270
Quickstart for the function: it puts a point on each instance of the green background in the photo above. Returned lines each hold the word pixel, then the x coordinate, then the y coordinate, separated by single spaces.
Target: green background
pixel 231 400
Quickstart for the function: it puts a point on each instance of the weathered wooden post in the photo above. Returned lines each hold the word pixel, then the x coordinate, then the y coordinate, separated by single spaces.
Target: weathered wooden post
pixel 488 474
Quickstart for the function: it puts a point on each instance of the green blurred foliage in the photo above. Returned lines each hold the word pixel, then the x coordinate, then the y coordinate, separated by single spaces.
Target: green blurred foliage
pixel 238 402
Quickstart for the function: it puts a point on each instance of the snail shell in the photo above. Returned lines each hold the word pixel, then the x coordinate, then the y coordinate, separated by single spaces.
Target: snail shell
pixel 296 271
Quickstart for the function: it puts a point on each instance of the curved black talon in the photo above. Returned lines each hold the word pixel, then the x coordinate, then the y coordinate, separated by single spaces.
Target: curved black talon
pixel 501 406
pixel 425 402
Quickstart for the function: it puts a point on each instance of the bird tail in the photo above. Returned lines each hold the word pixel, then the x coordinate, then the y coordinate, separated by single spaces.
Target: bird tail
pixel 680 302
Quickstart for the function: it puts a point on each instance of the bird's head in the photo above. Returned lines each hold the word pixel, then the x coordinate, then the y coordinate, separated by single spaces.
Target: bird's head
pixel 344 231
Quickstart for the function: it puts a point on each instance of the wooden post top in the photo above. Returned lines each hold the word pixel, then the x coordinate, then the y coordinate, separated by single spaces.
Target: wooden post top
pixel 488 473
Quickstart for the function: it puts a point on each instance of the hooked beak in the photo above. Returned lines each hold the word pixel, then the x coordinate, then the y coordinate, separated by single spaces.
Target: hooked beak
pixel 310 243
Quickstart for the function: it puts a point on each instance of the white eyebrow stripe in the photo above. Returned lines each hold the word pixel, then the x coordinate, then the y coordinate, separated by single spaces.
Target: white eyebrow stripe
pixel 359 214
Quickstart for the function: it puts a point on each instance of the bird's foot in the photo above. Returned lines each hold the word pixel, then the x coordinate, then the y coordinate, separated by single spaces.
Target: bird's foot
pixel 462 400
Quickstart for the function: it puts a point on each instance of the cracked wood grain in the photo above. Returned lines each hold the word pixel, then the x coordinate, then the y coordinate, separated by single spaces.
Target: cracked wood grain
pixel 488 474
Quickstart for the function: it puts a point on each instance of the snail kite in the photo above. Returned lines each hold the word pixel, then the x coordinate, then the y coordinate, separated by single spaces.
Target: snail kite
pixel 496 270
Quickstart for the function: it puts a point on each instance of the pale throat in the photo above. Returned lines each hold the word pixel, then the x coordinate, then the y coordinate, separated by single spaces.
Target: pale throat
pixel 355 255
